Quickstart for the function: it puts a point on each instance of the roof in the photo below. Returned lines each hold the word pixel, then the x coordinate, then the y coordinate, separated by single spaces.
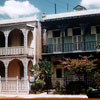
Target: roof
pixel 72 14
pixel 79 6
pixel 18 20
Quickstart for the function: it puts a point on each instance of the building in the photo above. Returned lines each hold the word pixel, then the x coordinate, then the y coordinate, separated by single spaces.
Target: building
pixel 68 35
pixel 20 48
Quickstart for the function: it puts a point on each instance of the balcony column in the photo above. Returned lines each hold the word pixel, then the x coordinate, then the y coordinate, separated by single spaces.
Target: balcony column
pixel 25 63
pixel 25 38
pixel 83 27
pixel 25 33
pixel 62 28
pixel 6 38
pixel 6 71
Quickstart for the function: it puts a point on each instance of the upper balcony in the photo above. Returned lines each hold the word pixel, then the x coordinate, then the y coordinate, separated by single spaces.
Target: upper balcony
pixel 10 51
pixel 16 42
pixel 70 47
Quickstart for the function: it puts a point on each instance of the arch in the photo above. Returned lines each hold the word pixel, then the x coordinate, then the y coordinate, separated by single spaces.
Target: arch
pixel 16 38
pixel 2 69
pixel 30 64
pixel 16 68
pixel 2 39
pixel 30 39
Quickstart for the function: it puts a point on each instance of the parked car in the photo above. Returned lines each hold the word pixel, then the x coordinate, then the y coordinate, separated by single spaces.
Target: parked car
pixel 94 93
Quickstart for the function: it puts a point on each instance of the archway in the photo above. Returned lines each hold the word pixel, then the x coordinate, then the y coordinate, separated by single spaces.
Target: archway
pixel 16 68
pixel 2 39
pixel 16 38
pixel 2 69
pixel 30 39
pixel 30 64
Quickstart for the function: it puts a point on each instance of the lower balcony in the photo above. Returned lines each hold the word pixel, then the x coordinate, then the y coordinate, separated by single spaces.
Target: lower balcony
pixel 71 47
pixel 10 51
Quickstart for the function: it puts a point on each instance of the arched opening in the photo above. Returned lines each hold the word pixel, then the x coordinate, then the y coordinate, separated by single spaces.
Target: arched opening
pixel 2 69
pixel 16 68
pixel 2 39
pixel 16 38
pixel 30 39
pixel 30 64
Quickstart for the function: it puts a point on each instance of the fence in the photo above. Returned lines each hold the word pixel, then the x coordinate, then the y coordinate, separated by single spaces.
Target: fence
pixel 14 85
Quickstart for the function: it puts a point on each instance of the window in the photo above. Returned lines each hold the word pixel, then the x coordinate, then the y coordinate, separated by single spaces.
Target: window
pixel 66 32
pixel 88 30
pixel 77 31
pixel 98 29
pixel 59 73
pixel 56 33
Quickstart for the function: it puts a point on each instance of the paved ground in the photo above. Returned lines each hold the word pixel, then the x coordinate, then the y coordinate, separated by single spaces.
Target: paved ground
pixel 42 95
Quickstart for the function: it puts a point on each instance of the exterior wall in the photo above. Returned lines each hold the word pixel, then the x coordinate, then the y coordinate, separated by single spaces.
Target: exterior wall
pixel 14 69
pixel 30 50
pixel 68 39
pixel 38 42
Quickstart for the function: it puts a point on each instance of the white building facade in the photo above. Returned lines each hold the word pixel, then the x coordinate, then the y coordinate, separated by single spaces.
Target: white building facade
pixel 20 49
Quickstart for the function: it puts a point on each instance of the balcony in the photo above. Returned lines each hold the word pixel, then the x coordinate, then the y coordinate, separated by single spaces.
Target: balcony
pixel 71 47
pixel 20 50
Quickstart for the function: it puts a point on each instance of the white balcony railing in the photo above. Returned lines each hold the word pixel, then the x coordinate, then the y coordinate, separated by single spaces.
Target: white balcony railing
pixel 16 51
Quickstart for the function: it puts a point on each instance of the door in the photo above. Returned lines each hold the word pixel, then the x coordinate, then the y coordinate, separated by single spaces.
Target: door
pixel 56 44
pixel 77 43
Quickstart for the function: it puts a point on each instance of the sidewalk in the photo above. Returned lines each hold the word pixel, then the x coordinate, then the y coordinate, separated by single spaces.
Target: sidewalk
pixel 42 95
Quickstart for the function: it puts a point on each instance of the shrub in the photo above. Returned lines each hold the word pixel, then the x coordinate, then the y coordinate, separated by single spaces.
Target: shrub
pixel 77 87
pixel 37 85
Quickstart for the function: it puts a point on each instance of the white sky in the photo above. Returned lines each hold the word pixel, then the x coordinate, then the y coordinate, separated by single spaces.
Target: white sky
pixel 91 3
pixel 13 8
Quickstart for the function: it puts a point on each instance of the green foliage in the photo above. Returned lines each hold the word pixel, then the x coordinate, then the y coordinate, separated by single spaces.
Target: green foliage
pixel 38 85
pixel 80 65
pixel 57 86
pixel 45 67
pixel 41 72
pixel 97 79
pixel 77 87
pixel 98 46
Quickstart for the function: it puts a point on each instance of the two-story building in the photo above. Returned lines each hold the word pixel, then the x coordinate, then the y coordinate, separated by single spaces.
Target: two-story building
pixel 69 35
pixel 20 48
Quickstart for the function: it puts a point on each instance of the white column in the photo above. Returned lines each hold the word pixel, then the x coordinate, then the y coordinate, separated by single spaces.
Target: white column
pixel 26 76
pixel 34 35
pixel 6 38
pixel 25 37
pixel 25 68
pixel 6 71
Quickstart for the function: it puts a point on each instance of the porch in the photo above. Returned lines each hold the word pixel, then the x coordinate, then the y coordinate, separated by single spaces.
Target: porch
pixel 71 47
pixel 13 85
pixel 17 50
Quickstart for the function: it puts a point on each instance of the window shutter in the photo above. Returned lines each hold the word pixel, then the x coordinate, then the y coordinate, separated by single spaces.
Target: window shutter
pixel 69 31
pixel 50 34
pixel 98 37
pixel 93 29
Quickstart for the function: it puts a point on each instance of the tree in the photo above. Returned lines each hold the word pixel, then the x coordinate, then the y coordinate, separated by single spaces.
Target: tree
pixel 79 66
pixel 42 71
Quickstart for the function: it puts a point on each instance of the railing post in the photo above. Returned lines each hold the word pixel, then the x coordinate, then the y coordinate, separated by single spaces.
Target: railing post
pixel 0 84
pixel 27 86
pixel 17 83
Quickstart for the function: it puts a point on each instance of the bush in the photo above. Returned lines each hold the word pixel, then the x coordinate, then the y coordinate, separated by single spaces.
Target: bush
pixel 77 87
pixel 38 85
pixel 57 86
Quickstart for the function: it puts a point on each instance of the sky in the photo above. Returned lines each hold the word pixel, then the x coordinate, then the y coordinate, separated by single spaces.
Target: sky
pixel 26 8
